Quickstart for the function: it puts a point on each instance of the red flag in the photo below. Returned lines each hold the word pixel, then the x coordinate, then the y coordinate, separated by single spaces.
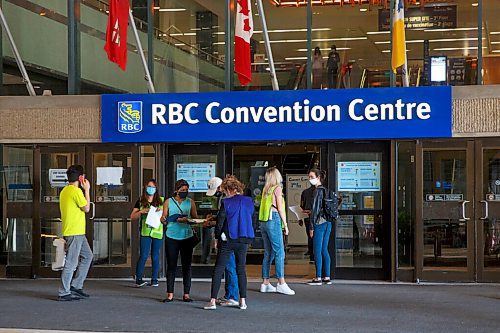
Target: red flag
pixel 116 33
pixel 242 35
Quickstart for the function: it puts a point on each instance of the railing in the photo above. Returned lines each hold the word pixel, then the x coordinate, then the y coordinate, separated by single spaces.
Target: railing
pixel 103 6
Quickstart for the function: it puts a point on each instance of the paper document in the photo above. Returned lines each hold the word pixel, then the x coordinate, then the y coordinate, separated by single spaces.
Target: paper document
pixel 153 217
pixel 195 221
pixel 298 212
pixel 109 175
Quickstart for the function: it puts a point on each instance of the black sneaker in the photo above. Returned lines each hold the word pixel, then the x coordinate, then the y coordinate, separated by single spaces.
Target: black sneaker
pixel 68 298
pixel 315 282
pixel 79 292
pixel 327 281
pixel 141 284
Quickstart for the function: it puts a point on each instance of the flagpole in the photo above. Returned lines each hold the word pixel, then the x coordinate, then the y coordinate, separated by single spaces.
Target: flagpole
pixel 274 79
pixel 147 77
pixel 17 56
pixel 406 82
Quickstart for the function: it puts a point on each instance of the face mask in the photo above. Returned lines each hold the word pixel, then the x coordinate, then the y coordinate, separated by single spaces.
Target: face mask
pixel 182 195
pixel 150 190
pixel 314 181
pixel 218 194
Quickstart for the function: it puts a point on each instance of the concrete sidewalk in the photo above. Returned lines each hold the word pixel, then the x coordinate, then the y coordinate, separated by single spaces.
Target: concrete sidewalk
pixel 116 305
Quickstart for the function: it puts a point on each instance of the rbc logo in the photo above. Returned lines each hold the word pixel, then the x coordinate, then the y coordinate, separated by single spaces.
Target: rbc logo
pixel 130 117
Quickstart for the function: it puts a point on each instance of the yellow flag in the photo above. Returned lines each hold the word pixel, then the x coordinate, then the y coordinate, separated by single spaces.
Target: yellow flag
pixel 398 35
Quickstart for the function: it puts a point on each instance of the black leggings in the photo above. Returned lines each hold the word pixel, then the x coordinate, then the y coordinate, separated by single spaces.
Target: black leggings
pixel 173 247
pixel 240 254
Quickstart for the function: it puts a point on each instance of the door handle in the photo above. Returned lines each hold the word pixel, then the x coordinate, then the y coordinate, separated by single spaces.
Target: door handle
pixel 93 210
pixel 463 219
pixel 485 210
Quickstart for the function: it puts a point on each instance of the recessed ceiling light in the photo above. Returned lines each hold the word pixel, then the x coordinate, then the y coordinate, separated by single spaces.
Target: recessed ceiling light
pixel 377 32
pixel 457 48
pixel 450 29
pixel 327 49
pixel 363 10
pixel 475 4
pixel 172 9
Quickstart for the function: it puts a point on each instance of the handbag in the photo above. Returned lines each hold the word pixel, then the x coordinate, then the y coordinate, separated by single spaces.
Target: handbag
pixel 193 240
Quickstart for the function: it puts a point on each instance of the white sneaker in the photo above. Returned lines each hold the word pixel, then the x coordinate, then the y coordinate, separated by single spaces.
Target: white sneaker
pixel 243 306
pixel 284 289
pixel 267 288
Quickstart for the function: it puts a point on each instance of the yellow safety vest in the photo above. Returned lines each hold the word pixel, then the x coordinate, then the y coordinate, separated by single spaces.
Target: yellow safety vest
pixel 146 230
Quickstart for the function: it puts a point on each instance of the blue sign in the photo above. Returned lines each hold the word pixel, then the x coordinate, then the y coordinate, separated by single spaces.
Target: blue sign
pixel 376 113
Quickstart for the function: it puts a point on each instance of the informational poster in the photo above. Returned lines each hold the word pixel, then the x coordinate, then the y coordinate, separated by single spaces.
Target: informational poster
pixel 196 174
pixel 358 176
pixel 344 241
pixel 109 175
pixel 58 178
pixel 295 184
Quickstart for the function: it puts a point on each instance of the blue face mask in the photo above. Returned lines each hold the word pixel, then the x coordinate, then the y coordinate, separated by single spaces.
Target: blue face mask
pixel 150 190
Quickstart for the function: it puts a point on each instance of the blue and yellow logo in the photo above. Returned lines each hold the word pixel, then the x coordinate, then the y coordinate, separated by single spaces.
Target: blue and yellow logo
pixel 130 117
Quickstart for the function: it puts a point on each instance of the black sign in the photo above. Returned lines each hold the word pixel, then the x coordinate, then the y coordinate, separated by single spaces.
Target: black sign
pixel 456 69
pixel 444 197
pixel 439 17
pixel 427 73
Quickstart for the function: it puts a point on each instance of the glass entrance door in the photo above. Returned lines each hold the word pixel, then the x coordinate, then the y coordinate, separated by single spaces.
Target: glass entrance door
pixel 488 213
pixel 113 177
pixel 447 227
pixel 362 234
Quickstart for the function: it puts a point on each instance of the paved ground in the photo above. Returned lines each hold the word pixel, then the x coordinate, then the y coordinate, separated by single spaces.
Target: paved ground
pixel 115 305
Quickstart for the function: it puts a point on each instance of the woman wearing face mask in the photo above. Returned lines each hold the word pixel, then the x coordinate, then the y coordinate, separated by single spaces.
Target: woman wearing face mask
pixel 151 238
pixel 320 231
pixel 176 211
pixel 234 232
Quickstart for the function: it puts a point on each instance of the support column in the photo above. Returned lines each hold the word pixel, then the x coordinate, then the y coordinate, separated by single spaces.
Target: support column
pixel 229 64
pixel 74 56
pixel 392 75
pixel 309 46
pixel 2 89
pixel 479 42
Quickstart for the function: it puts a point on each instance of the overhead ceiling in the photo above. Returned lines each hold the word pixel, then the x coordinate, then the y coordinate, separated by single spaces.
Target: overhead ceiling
pixel 353 29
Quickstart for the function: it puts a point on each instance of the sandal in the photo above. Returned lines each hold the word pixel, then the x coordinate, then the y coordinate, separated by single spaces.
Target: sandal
pixel 187 299
pixel 168 300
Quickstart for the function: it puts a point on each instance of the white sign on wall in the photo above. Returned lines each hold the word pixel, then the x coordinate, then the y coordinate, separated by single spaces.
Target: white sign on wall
pixel 196 174
pixel 58 177
pixel 295 184
pixel 358 176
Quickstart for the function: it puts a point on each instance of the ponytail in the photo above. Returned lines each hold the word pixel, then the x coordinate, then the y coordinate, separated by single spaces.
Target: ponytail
pixel 319 173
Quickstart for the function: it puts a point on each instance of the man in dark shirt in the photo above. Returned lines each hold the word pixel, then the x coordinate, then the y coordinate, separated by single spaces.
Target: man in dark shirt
pixel 306 201
pixel 332 66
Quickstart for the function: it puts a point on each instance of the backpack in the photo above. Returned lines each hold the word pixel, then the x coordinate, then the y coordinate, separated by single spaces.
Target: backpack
pixel 331 201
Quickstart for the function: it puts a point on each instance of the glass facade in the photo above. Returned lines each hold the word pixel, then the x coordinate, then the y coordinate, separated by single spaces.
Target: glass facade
pixel 188 42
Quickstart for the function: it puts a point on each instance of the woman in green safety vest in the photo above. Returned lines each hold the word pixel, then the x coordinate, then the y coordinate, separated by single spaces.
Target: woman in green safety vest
pixel 151 237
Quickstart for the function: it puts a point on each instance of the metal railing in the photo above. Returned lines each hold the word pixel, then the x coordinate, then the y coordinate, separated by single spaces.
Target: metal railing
pixel 165 37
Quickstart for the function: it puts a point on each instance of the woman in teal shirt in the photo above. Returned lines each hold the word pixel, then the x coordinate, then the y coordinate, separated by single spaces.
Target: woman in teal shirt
pixel 176 211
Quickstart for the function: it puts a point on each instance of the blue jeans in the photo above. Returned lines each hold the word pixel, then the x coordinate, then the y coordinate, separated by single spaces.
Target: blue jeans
pixel 231 286
pixel 272 235
pixel 321 238
pixel 153 245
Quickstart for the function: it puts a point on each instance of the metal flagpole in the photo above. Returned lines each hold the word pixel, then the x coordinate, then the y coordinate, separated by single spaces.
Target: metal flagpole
pixel 151 87
pixel 274 79
pixel 406 82
pixel 19 61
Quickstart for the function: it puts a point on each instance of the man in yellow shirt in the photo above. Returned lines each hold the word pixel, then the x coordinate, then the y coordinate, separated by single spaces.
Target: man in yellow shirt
pixel 73 205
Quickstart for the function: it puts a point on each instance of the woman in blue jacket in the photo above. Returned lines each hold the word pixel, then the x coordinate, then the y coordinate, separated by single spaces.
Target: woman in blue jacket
pixel 234 232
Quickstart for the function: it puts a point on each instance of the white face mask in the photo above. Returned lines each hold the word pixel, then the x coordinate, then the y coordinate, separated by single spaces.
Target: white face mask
pixel 314 181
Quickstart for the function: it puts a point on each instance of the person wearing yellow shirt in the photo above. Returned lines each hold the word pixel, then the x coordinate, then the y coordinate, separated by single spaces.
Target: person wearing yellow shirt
pixel 73 204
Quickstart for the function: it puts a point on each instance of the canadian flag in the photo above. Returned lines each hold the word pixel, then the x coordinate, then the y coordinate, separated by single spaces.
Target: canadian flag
pixel 243 33
pixel 116 33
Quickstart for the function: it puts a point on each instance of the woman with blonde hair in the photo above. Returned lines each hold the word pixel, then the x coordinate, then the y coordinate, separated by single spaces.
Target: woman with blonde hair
pixel 272 218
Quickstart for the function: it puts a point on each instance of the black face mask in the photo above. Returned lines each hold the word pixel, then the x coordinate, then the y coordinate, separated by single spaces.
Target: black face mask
pixel 218 194
pixel 182 195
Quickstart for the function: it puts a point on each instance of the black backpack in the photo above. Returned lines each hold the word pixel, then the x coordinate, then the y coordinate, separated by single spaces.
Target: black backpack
pixel 331 202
